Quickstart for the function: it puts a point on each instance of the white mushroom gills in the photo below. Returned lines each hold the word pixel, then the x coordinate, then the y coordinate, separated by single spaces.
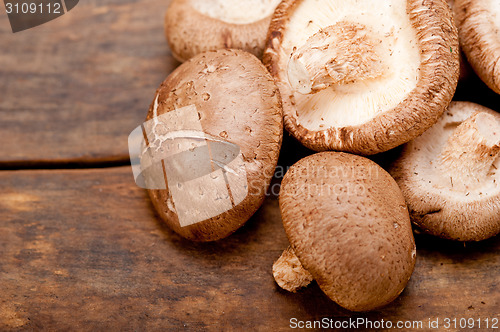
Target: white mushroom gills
pixel 356 101
pixel 236 11
pixel 342 53
pixel 289 272
pixel 471 151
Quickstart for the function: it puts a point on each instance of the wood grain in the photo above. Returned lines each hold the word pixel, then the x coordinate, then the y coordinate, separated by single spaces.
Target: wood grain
pixel 73 89
pixel 83 250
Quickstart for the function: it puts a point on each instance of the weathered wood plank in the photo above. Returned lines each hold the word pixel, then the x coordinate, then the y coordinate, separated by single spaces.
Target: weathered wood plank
pixel 83 250
pixel 73 89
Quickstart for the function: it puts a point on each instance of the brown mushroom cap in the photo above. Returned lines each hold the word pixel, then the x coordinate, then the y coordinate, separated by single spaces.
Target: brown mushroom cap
pixel 449 175
pixel 478 24
pixel 381 72
pixel 466 71
pixel 348 224
pixel 236 101
pixel 196 26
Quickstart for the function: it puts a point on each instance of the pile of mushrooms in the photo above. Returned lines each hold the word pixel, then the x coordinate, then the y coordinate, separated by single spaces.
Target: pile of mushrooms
pixel 352 76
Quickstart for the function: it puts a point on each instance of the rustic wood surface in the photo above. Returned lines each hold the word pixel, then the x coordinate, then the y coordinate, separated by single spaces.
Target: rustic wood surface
pixel 83 250
pixel 73 89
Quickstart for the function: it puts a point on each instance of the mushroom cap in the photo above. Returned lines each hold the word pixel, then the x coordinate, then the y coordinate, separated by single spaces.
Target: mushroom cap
pixel 347 222
pixel 196 26
pixel 417 76
pixel 478 23
pixel 436 203
pixel 237 102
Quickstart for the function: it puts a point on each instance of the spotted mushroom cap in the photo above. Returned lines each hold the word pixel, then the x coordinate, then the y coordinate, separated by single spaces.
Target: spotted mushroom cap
pixel 348 224
pixel 478 24
pixel 450 175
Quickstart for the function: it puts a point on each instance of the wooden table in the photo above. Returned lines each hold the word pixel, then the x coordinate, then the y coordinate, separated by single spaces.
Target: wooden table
pixel 80 245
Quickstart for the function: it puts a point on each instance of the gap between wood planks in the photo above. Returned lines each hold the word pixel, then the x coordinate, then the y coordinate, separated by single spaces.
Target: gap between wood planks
pixel 119 161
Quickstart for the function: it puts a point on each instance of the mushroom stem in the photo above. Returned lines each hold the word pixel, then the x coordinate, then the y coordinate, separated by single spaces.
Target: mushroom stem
pixel 339 54
pixel 472 150
pixel 289 272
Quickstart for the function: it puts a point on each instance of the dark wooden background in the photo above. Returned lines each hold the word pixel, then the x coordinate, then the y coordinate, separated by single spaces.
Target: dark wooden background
pixel 80 245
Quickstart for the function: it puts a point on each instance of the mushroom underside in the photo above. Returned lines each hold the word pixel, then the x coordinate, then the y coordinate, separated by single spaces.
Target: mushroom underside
pixel 450 174
pixel 371 67
pixel 236 12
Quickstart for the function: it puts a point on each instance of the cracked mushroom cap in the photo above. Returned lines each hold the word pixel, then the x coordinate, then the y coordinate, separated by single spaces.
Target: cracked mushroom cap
pixel 478 23
pixel 217 127
pixel 196 26
pixel 362 76
pixel 348 224
pixel 450 175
